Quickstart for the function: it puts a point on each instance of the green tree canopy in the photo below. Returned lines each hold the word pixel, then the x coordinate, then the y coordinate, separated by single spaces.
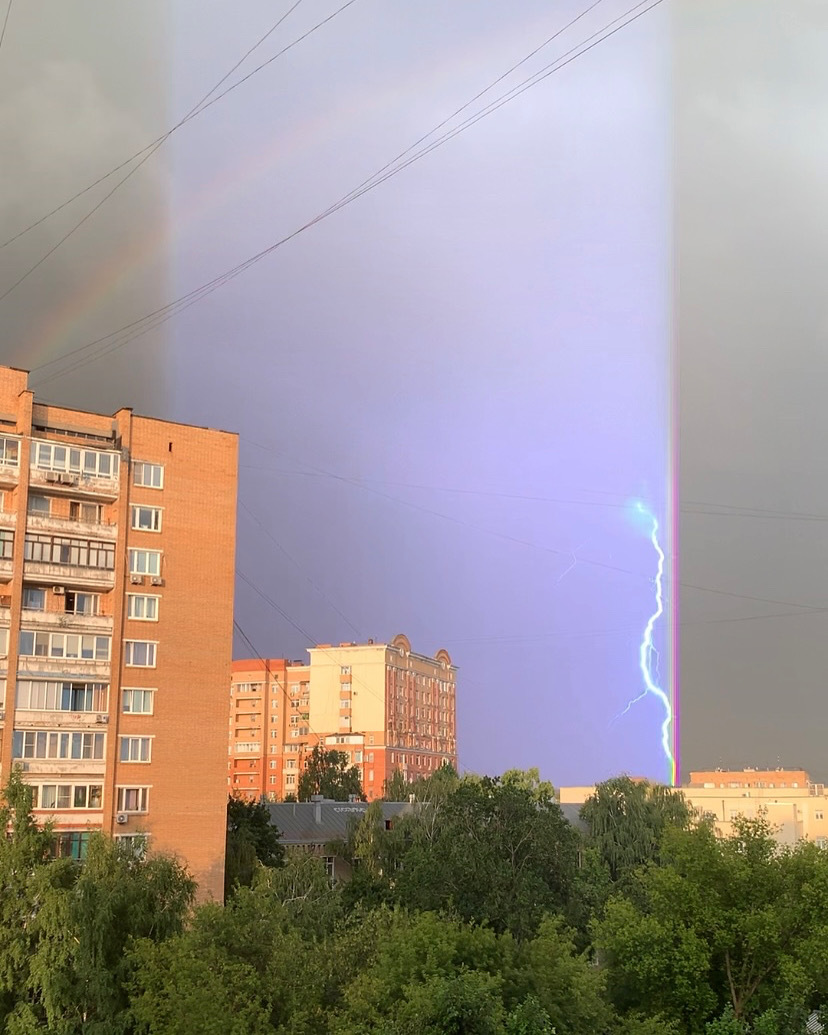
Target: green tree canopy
pixel 329 774
pixel 251 839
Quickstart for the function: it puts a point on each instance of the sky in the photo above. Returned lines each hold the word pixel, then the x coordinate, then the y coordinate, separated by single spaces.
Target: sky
pixel 451 393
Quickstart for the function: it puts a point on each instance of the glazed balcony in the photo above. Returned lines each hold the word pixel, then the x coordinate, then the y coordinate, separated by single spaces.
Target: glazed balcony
pixel 70 526
pixel 74 575
pixel 78 486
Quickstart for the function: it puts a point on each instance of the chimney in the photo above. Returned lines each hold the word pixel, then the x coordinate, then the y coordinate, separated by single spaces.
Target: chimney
pixel 317 800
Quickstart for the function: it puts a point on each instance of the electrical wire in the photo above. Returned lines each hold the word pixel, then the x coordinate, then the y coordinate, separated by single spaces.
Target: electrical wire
pixel 199 108
pixel 5 23
pixel 137 328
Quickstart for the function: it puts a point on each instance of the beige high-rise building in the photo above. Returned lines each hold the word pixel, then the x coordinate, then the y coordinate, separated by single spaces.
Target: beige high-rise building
pixel 117 542
pixel 385 706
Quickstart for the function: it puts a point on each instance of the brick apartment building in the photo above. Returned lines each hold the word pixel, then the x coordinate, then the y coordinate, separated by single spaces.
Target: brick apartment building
pixel 117 541
pixel 385 706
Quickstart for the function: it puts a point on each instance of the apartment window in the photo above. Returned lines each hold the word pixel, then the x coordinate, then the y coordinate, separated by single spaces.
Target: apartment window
pixel 370 776
pixel 370 756
pixel 145 562
pixel 272 781
pixel 48 696
pixel 146 519
pixel 137 702
pixel 71 844
pixel 274 734
pixel 40 506
pixel 344 702
pixel 248 688
pixel 133 799
pixel 357 756
pixel 274 765
pixel 81 603
pixel 34 598
pixel 4 642
pixel 139 653
pixel 135 844
pixel 328 862
pixel 91 513
pixel 9 451
pixel 67 796
pixel 82 553
pixel 142 608
pixel 64 645
pixel 136 749
pixel 48 456
pixel 819 814
pixel 6 543
pixel 149 476
pixel 345 670
pixel 290 780
pixel 57 744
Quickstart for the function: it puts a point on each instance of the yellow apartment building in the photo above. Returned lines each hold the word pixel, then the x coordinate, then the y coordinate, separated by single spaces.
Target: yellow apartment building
pixel 384 705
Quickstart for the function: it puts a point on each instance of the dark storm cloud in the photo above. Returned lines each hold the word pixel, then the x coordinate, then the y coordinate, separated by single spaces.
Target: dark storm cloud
pixel 752 224
pixel 81 89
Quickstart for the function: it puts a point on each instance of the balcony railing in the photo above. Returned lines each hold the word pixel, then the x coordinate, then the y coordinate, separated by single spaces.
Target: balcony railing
pixel 69 621
pixel 9 474
pixel 77 485
pixel 71 526
pixel 68 575
pixel 82 668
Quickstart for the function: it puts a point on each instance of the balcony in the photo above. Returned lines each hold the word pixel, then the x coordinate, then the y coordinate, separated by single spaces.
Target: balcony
pixel 51 767
pixel 63 621
pixel 6 567
pixel 9 475
pixel 32 720
pixel 78 486
pixel 78 669
pixel 74 575
pixel 8 518
pixel 70 526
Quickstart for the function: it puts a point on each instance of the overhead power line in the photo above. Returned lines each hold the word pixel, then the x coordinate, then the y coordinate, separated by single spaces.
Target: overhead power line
pixel 137 328
pixel 5 23
pixel 150 150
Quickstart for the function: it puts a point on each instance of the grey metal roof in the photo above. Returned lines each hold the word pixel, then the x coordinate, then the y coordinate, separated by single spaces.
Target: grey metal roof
pixel 318 822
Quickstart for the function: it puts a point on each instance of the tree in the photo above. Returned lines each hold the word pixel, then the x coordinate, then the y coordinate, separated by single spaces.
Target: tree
pixel 627 819
pixel 738 923
pixel 328 773
pixel 396 787
pixel 251 839
pixel 491 852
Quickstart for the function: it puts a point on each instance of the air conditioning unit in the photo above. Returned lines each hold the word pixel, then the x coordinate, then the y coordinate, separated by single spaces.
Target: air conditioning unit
pixel 121 818
pixel 68 479
pixel 102 720
pixel 59 591
pixel 2 716
pixel 137 580
pixel 156 581
pixel 52 476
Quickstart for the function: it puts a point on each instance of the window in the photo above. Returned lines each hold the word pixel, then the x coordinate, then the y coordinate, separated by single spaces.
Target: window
pixel 142 608
pixel 136 749
pixel 48 456
pixel 345 670
pixel 328 862
pixel 137 702
pixel 139 653
pixel 819 814
pixel 67 796
pixel 46 695
pixel 39 505
pixel 146 519
pixel 81 603
pixel 150 476
pixel 64 645
pixel 290 780
pixel 248 747
pixel 133 799
pixel 71 844
pixel 4 642
pixel 9 451
pixel 56 549
pixel 34 598
pixel 145 562
pixel 135 844
pixel 6 543
pixel 57 744
pixel 272 780
pixel 91 513
pixel 344 702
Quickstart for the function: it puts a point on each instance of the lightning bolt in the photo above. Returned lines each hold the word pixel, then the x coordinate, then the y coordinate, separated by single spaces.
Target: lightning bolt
pixel 647 653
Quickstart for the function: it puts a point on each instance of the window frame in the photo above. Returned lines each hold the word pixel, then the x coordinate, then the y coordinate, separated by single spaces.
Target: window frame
pixel 129 651
pixel 156 513
pixel 142 465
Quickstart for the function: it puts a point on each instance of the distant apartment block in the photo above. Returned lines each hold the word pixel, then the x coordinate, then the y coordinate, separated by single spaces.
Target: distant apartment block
pixel 117 541
pixel 788 799
pixel 382 704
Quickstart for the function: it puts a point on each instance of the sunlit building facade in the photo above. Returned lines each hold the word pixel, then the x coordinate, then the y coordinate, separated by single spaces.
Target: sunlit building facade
pixel 385 706
pixel 117 543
